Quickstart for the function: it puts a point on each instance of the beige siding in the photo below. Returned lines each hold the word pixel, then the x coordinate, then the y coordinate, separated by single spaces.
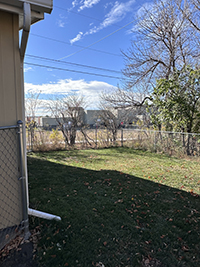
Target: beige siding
pixel 10 75
pixel 11 103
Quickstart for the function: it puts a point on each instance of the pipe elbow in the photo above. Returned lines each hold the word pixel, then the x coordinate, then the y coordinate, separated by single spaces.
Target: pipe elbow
pixel 26 29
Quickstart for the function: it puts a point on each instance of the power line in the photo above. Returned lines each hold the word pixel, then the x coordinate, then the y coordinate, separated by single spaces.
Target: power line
pixel 59 41
pixel 82 72
pixel 71 63
pixel 80 14
pixel 99 40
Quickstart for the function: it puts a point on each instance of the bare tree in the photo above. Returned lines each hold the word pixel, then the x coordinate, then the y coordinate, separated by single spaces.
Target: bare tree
pixel 191 10
pixel 129 107
pixel 163 41
pixel 110 121
pixel 31 104
pixel 69 114
pixel 122 99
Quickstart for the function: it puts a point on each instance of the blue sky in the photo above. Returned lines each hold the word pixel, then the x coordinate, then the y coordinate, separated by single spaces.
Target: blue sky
pixel 87 36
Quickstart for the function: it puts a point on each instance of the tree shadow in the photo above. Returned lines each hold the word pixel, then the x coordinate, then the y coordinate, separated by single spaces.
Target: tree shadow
pixel 111 217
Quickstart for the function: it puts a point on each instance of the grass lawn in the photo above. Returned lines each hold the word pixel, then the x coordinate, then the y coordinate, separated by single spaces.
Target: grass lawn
pixel 119 206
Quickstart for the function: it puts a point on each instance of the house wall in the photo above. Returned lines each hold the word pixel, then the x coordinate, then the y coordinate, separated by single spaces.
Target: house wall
pixel 11 103
pixel 11 95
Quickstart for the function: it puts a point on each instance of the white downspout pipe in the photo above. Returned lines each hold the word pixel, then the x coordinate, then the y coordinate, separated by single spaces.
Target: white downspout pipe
pixel 24 41
pixel 24 180
pixel 43 215
pixel 26 29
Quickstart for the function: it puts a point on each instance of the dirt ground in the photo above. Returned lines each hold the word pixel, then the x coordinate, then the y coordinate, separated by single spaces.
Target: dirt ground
pixel 20 253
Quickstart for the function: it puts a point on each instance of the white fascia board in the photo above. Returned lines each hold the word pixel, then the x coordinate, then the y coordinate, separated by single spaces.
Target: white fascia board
pixel 12 9
pixel 35 16
pixel 44 6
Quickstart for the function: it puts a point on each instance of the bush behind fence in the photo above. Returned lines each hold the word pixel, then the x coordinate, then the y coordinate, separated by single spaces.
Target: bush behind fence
pixel 171 143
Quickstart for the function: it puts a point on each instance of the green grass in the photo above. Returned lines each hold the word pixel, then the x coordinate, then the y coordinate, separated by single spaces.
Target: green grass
pixel 119 206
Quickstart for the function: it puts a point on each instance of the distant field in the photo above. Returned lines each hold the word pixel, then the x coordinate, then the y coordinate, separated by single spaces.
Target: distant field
pixel 119 206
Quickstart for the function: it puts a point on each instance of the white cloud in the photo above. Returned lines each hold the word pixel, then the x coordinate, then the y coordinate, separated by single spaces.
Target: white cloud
pixel 26 69
pixel 77 38
pixel 83 4
pixel 90 90
pixel 108 4
pixel 75 3
pixel 116 14
pixel 61 23
pixel 88 4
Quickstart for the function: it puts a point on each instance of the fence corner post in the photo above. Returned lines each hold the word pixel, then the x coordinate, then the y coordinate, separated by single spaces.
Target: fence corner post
pixel 23 180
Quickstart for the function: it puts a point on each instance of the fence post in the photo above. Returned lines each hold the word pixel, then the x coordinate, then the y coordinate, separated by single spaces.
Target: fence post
pixel 23 180
pixel 96 136
pixel 122 137
pixel 107 137
pixel 32 137
pixel 155 141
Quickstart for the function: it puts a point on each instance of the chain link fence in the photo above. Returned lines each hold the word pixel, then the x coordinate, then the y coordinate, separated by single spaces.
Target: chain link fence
pixel 171 143
pixel 41 139
pixel 11 211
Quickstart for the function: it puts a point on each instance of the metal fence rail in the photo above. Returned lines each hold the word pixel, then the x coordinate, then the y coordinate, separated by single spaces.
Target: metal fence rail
pixel 40 139
pixel 11 216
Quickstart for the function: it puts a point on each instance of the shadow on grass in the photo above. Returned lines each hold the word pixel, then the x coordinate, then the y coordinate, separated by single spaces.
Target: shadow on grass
pixel 111 217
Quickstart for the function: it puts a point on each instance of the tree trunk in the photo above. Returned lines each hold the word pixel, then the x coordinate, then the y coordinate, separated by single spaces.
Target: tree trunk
pixel 72 136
